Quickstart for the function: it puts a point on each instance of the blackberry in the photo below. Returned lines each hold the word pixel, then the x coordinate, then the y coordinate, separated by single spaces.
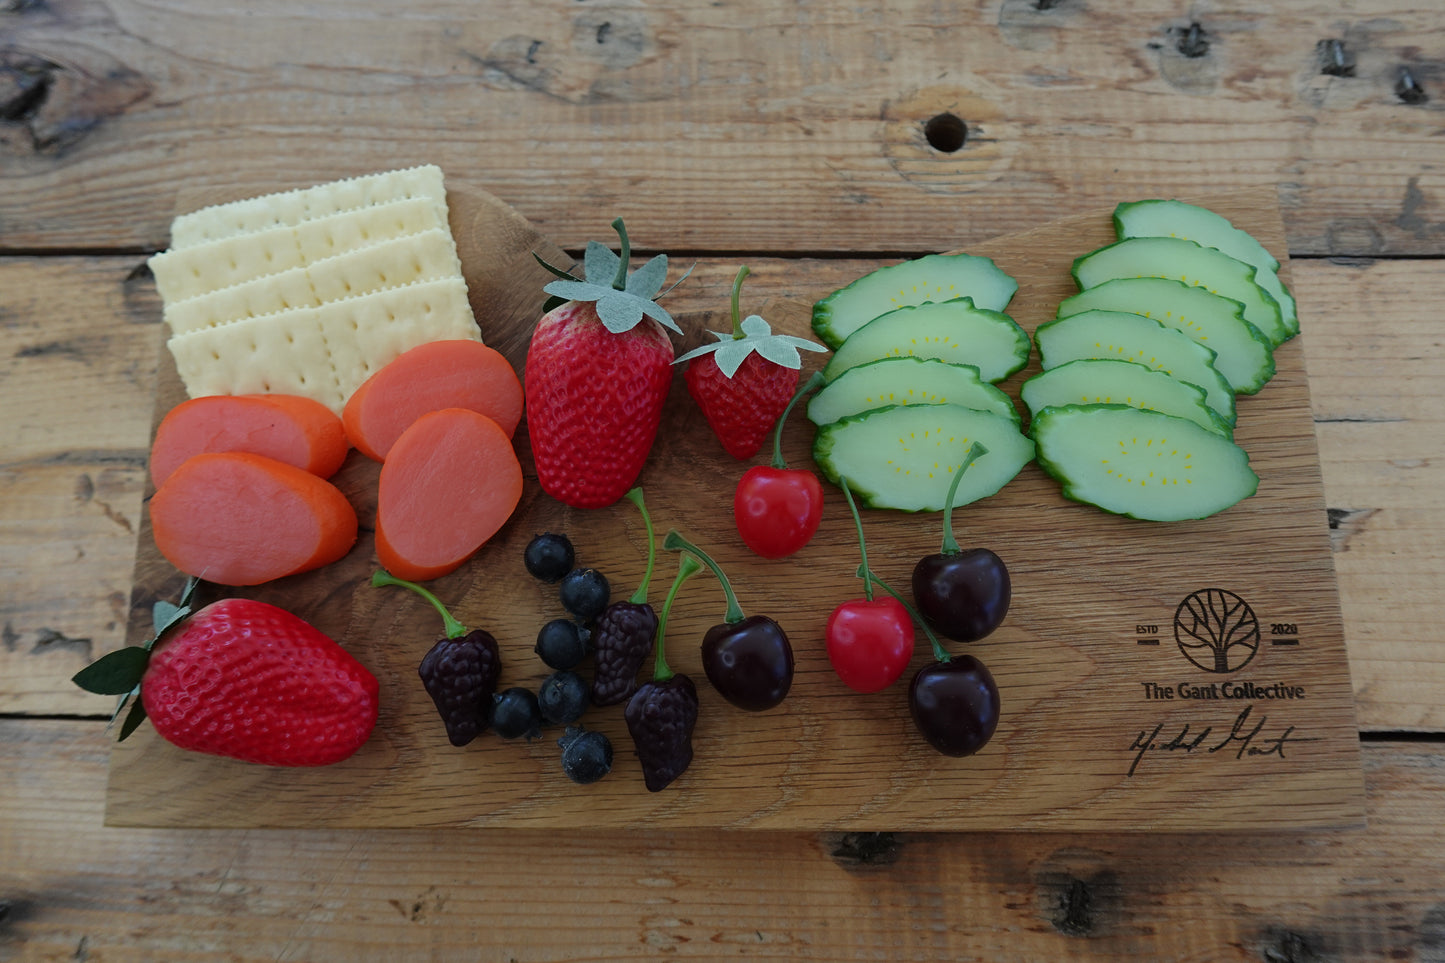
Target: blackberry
pixel 460 675
pixel 660 718
pixel 584 592
pixel 622 639
pixel 515 714
pixel 586 755
pixel 549 556
pixel 562 644
pixel 562 698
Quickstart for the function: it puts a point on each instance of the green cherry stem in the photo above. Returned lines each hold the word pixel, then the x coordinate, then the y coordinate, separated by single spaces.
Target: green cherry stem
pixel 950 544
pixel 939 652
pixel 814 382
pixel 640 596
pixel 687 567
pixel 454 629
pixel 620 281
pixel 865 572
pixel 676 543
pixel 737 294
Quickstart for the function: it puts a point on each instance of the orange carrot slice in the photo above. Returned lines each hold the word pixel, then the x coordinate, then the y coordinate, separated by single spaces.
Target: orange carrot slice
pixel 235 518
pixel 430 377
pixel 291 429
pixel 448 484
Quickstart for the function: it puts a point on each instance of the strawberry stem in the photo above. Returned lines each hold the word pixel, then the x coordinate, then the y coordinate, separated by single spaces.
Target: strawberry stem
pixel 950 544
pixel 640 596
pixel 620 281
pixel 454 629
pixel 866 573
pixel 939 653
pixel 813 382
pixel 687 567
pixel 675 543
pixel 737 292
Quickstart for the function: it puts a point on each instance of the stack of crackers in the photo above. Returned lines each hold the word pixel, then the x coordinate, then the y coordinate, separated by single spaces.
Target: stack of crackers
pixel 309 292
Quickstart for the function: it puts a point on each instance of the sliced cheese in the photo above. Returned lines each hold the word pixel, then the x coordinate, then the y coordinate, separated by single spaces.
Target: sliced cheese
pixel 324 351
pixel 203 268
pixel 429 255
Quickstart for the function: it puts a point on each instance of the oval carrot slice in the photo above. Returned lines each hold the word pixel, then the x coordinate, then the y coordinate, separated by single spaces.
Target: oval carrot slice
pixel 291 429
pixel 448 484
pixel 430 377
pixel 235 518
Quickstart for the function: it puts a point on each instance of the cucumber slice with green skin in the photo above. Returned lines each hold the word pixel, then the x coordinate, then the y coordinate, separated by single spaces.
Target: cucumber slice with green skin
pixel 1245 356
pixel 1090 381
pixel 1158 218
pixel 904 456
pixel 1174 257
pixel 907 381
pixel 1142 464
pixel 955 331
pixel 934 277
pixel 1120 336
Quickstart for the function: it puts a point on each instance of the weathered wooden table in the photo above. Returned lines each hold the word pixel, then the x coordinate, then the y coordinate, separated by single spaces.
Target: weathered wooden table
pixel 814 140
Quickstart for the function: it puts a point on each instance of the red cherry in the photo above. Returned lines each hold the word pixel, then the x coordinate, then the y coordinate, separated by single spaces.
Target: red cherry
pixel 870 642
pixel 777 509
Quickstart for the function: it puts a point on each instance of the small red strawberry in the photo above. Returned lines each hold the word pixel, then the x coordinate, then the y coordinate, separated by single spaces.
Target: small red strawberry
pixel 597 374
pixel 745 381
pixel 241 679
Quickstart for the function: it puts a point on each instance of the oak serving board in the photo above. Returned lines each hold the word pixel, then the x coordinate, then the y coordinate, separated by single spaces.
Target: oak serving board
pixel 1107 723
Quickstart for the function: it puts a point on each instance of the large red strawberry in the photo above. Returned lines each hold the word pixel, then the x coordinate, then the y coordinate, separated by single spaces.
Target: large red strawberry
pixel 597 375
pixel 745 381
pixel 242 679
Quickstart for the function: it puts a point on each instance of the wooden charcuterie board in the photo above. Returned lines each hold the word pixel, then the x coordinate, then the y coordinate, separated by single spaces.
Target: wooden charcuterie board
pixel 1107 723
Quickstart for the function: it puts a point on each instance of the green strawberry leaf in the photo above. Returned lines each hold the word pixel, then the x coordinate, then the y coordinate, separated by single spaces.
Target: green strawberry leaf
pixel 579 290
pixel 780 349
pixel 114 673
pixel 600 264
pixel 659 314
pixel 647 280
pixel 133 719
pixel 556 271
pixel 620 311
pixel 552 303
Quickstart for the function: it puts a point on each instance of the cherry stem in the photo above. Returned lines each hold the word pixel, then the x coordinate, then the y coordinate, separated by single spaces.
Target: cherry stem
pixel 737 293
pixel 620 281
pixel 939 652
pixel 676 543
pixel 640 596
pixel 816 381
pixel 950 544
pixel 687 567
pixel 864 571
pixel 454 629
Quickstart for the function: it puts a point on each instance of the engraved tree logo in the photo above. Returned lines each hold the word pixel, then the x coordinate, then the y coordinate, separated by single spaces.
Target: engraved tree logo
pixel 1216 630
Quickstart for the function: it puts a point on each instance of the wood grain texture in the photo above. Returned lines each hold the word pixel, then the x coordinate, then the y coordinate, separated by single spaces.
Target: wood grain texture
pixel 729 127
pixel 72 889
pixel 1084 741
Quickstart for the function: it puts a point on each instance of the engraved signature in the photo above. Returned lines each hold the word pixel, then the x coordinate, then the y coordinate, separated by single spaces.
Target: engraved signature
pixel 1244 737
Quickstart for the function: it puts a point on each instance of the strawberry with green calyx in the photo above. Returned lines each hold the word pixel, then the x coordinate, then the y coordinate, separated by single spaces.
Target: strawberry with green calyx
pixel 597 374
pixel 663 712
pixel 745 381
pixel 241 679
pixel 459 672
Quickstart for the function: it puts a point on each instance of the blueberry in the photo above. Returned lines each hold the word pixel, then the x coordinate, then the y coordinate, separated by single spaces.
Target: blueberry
pixel 562 698
pixel 586 755
pixel 584 592
pixel 515 714
pixel 549 556
pixel 562 644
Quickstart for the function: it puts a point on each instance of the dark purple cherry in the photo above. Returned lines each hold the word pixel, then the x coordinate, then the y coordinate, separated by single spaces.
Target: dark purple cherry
pixel 962 594
pixel 955 705
pixel 748 659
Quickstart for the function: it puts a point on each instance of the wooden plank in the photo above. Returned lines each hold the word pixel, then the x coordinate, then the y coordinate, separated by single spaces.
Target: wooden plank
pixel 1091 716
pixel 72 888
pixel 710 132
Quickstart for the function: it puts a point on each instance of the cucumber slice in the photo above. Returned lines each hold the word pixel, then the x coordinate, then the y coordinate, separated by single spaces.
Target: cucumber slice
pixel 1120 336
pixel 1174 257
pixel 934 277
pixel 907 381
pixel 1157 218
pixel 1142 464
pixel 1089 381
pixel 904 456
pixel 1245 356
pixel 953 331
